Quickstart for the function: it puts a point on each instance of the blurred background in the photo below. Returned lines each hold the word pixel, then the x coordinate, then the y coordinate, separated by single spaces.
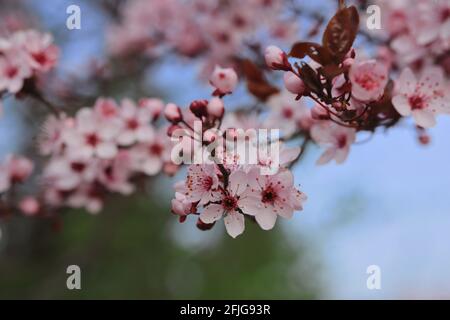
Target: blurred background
pixel 387 205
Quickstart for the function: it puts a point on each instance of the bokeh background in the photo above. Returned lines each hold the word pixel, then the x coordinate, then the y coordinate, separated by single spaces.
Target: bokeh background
pixel 388 205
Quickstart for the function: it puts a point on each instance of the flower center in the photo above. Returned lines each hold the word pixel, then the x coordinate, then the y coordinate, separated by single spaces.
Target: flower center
pixel 207 183
pixel 132 124
pixel 11 72
pixel 367 82
pixel 156 149
pixel 40 57
pixel 78 166
pixel 417 102
pixel 269 195
pixel 92 139
pixel 229 203
pixel 288 113
pixel 342 141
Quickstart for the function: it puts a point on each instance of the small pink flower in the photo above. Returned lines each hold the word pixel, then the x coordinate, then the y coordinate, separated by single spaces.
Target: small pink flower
pixel 224 80
pixel 106 108
pixel 93 137
pixel 335 138
pixel 271 196
pixel 13 71
pixel 135 124
pixel 201 183
pixel 288 114
pixel 50 139
pixel 369 79
pixel 276 59
pixel 42 54
pixel 229 205
pixel 422 98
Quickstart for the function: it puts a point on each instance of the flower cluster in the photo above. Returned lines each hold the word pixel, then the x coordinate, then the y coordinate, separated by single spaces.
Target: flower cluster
pixel 25 54
pixel 215 193
pixel 102 149
pixel 215 29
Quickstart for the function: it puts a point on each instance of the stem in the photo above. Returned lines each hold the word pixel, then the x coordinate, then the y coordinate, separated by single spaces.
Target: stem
pixel 225 175
pixel 38 96
pixel 303 146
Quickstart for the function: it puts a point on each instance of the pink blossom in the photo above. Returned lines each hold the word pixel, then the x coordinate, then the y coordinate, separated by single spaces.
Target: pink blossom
pixel 151 155
pixel 335 138
pixel 13 71
pixel 42 54
pixel 224 80
pixel 93 137
pixel 229 205
pixel 135 124
pixel 201 183
pixel 369 79
pixel 422 97
pixel 288 114
pixel 271 196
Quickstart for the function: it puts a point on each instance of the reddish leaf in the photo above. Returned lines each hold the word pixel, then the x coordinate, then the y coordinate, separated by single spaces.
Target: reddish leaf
pixel 341 32
pixel 311 49
pixel 256 81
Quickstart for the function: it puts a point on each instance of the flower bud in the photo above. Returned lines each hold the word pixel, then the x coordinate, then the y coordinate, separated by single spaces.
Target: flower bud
pixel 215 107
pixel 173 113
pixel 293 83
pixel 276 59
pixel 198 108
pixel 224 80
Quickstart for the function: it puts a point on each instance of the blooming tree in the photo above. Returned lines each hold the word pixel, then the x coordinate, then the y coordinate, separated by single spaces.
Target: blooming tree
pixel 331 91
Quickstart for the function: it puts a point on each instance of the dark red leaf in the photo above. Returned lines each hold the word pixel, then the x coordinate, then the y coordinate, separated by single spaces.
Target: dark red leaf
pixel 340 32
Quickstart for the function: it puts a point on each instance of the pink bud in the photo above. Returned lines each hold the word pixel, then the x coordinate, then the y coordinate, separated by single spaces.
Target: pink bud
pixel 293 83
pixel 276 59
pixel 173 113
pixel 198 108
pixel 29 206
pixel 224 80
pixel 215 107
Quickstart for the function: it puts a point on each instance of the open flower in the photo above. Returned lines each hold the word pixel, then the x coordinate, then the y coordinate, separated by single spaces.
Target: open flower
pixel 201 183
pixel 368 78
pixel 335 138
pixel 228 205
pixel 422 98
pixel 270 196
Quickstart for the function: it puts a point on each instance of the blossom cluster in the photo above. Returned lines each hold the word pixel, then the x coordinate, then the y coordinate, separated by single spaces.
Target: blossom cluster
pixel 23 55
pixel 100 150
pixel 213 29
